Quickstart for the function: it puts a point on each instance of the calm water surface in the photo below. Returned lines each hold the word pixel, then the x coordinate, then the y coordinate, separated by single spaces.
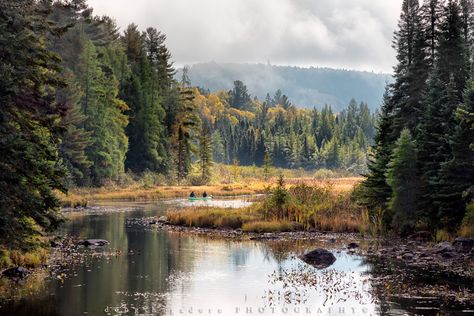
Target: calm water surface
pixel 166 273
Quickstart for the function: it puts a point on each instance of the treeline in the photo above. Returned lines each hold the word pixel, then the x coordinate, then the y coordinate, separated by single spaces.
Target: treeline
pixel 84 104
pixel 244 129
pixel 124 111
pixel 421 173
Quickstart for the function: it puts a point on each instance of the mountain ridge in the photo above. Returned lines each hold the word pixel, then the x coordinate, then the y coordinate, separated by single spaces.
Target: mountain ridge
pixel 305 87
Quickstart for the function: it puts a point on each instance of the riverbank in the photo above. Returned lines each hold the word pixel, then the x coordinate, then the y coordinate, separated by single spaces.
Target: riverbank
pixel 81 197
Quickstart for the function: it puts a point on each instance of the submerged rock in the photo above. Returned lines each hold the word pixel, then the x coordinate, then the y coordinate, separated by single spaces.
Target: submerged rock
pixel 319 258
pixel 93 242
pixel 16 273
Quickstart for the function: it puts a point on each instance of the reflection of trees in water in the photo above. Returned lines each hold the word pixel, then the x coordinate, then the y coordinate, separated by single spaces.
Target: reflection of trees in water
pixel 101 274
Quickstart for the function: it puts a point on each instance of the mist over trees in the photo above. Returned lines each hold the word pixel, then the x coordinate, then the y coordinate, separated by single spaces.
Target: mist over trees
pixel 306 87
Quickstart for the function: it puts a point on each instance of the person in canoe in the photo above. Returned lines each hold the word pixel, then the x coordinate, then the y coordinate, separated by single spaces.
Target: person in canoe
pixel 192 195
pixel 204 195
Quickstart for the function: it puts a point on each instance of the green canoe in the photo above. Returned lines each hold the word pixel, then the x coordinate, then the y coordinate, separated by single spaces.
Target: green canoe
pixel 200 198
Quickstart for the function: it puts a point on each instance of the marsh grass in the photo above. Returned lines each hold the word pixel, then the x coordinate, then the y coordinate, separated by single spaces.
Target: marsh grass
pixel 32 258
pixel 268 226
pixel 206 217
pixel 294 207
pixel 80 197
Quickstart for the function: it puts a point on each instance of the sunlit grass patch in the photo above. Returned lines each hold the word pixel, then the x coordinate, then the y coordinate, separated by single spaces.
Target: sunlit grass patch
pixel 210 217
pixel 268 226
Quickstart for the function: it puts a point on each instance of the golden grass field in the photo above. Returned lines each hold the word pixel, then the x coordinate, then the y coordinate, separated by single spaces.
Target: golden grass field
pixel 82 196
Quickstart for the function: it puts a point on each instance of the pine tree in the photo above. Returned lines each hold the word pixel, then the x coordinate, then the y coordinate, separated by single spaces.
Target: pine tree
pixel 142 92
pixel 29 132
pixel 402 178
pixel 105 119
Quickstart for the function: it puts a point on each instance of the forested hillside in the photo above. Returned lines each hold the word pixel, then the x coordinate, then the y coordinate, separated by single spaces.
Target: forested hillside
pixel 306 87
pixel 422 171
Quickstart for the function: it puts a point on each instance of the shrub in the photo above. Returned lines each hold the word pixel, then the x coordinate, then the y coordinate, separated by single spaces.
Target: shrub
pixel 322 174
pixel 467 226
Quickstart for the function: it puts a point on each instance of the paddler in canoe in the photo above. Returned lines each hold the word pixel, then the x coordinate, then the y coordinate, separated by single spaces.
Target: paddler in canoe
pixel 205 197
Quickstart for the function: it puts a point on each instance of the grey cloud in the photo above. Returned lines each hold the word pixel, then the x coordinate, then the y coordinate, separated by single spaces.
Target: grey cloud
pixel 354 34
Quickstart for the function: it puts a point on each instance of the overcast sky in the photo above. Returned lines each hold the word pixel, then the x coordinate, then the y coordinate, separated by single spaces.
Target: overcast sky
pixel 351 34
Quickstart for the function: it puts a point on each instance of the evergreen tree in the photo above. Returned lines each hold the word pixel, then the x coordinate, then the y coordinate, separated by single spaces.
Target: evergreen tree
pixel 267 164
pixel 457 174
pixel 29 130
pixel 411 73
pixel 375 191
pixel 402 178
pixel 105 119
pixel 239 96
pixel 142 92
pixel 75 139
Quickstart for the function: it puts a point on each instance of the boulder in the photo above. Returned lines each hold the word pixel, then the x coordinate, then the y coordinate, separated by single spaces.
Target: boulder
pixel 16 273
pixel 319 258
pixel 464 245
pixel 93 242
pixel 352 245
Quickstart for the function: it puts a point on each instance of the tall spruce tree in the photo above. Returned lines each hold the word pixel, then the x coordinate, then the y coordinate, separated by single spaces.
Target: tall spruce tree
pixel 438 123
pixel 143 91
pixel 375 191
pixel 456 176
pixel 411 72
pixel 403 180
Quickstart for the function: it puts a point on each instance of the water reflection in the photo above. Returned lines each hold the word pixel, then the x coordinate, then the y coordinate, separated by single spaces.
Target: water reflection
pixel 172 273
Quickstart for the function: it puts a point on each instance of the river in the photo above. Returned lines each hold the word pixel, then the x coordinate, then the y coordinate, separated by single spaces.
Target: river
pixel 157 272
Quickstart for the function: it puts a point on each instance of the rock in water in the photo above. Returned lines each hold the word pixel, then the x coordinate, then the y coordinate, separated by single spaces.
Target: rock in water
pixel 319 258
pixel 93 242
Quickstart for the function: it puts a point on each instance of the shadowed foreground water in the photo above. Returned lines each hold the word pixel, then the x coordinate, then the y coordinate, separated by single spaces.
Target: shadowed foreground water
pixel 164 273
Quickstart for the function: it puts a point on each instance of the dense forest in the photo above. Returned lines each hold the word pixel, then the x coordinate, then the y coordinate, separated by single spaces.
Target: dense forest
pixel 421 172
pixel 306 87
pixel 84 104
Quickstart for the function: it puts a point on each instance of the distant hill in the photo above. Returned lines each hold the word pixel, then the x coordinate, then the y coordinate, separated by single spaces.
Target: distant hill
pixel 306 87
